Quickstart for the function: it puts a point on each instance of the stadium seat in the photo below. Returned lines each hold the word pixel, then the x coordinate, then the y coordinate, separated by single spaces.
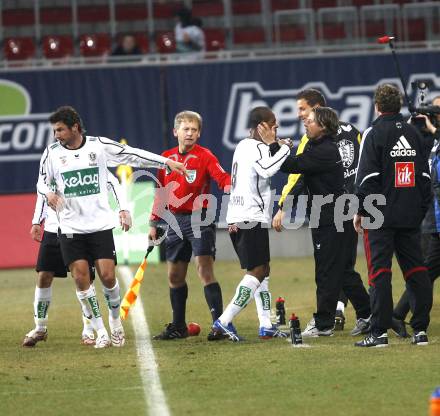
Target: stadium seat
pixel 94 44
pixel 18 49
pixel 56 47
pixel 127 12
pixel 318 4
pixel 93 14
pixel 292 34
pixel 331 31
pixel 55 15
pixel 165 42
pixel 166 10
pixel 215 39
pixel 284 4
pixel 248 35
pixel 18 17
pixel 416 30
pixel 203 8
pixel 246 7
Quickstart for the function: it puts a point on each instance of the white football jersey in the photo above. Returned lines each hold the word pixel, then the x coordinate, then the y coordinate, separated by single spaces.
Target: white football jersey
pixel 252 167
pixel 43 212
pixel 80 177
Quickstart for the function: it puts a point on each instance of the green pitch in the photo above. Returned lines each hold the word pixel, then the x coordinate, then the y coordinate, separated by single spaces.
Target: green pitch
pixel 62 377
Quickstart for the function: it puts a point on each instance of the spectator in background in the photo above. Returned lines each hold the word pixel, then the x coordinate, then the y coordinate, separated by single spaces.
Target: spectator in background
pixel 127 46
pixel 188 33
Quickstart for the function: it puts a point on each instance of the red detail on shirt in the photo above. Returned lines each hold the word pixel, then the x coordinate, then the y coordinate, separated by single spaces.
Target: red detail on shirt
pixel 179 193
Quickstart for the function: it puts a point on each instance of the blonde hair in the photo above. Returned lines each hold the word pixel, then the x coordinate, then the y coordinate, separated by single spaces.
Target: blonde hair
pixel 189 116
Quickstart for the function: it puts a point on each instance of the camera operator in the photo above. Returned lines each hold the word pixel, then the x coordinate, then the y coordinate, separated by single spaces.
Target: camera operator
pixel 431 222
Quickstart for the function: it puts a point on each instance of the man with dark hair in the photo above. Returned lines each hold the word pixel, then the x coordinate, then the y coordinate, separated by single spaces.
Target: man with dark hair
pixel 248 213
pixel 322 172
pixel 347 140
pixel 393 164
pixel 73 179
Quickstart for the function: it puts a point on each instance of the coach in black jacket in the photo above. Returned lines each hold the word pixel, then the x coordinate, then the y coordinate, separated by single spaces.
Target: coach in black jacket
pixel 323 174
pixel 392 164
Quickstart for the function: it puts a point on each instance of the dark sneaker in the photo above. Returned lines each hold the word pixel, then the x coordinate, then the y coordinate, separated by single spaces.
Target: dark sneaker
pixel 339 320
pixel 399 328
pixel 420 338
pixel 172 332
pixel 228 331
pixel 274 332
pixel 34 336
pixel 372 341
pixel 363 326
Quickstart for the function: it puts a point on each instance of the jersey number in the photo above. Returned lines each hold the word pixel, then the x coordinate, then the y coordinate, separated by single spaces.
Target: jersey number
pixel 234 174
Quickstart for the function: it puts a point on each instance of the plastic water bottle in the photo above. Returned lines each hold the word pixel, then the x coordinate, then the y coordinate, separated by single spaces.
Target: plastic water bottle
pixel 280 311
pixel 434 404
pixel 295 330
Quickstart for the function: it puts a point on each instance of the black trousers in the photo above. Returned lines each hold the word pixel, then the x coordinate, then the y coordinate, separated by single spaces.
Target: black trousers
pixel 431 251
pixel 335 256
pixel 379 248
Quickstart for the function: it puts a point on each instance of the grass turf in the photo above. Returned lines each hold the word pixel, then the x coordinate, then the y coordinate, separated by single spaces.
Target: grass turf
pixel 221 378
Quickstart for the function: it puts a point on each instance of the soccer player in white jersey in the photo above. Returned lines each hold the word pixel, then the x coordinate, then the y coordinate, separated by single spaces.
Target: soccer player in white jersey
pixel 249 215
pixel 77 165
pixel 50 264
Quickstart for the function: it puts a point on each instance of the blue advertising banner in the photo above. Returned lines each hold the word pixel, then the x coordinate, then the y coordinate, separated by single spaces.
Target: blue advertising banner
pixel 225 93
pixel 130 102
pixel 113 102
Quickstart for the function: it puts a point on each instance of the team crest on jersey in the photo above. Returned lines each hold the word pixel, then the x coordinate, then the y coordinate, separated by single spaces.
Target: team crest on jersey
pixel 192 174
pixel 346 150
pixel 92 158
pixel 63 160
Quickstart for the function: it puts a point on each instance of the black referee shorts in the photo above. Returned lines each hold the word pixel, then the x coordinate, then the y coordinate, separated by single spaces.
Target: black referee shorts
pixel 251 246
pixel 50 258
pixel 91 247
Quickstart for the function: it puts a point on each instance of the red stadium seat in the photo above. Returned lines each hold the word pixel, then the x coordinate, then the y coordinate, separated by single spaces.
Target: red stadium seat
pixel 56 47
pixel 292 34
pixel 203 8
pixel 95 44
pixel 18 17
pixel 416 30
pixel 16 49
pixel 127 12
pixel 248 35
pixel 284 5
pixel 333 31
pixel 165 42
pixel 318 4
pixel 246 7
pixel 55 15
pixel 143 42
pixel 166 10
pixel 91 14
pixel 215 39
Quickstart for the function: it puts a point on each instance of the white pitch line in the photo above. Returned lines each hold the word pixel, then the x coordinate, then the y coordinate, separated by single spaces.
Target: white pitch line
pixel 153 392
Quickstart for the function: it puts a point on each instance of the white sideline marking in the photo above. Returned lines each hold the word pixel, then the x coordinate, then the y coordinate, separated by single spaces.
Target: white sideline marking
pixel 153 392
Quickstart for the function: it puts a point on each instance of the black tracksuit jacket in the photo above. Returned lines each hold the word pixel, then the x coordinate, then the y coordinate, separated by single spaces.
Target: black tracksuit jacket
pixel 393 163
pixel 322 170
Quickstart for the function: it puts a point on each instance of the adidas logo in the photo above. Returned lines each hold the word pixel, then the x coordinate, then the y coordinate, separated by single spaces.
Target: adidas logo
pixel 402 148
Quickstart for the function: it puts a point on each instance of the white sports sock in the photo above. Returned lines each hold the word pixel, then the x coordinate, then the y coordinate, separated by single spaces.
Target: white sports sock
pixel 89 303
pixel 243 295
pixel 87 323
pixel 263 299
pixel 340 306
pixel 42 300
pixel 113 298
